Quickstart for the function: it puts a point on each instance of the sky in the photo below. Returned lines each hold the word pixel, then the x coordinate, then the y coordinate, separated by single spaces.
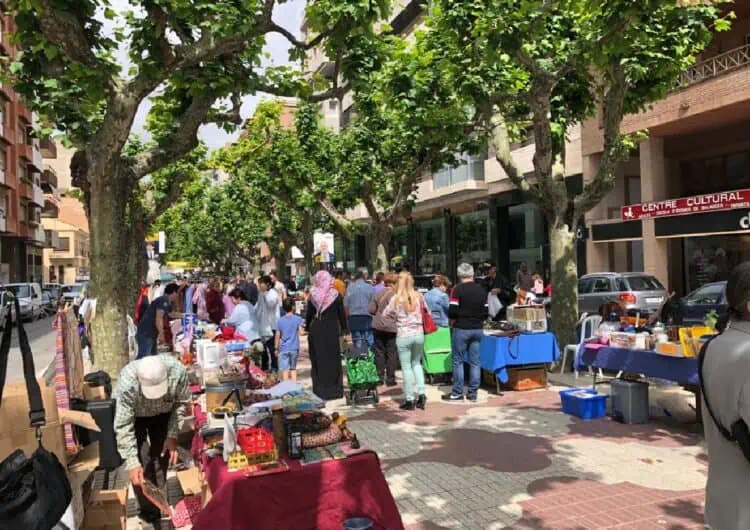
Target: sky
pixel 288 15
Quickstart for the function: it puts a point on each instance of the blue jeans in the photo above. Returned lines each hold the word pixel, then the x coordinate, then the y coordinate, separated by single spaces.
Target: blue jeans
pixel 363 336
pixel 410 352
pixel 465 344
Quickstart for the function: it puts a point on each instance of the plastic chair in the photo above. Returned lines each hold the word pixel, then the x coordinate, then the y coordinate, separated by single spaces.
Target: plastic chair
pixel 132 343
pixel 589 325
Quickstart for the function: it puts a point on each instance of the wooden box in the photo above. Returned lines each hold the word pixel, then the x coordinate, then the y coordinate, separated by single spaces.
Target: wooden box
pixel 526 378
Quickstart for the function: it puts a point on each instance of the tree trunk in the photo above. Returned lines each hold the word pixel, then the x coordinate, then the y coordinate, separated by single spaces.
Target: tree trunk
pixel 308 241
pixel 117 234
pixel 563 254
pixel 381 234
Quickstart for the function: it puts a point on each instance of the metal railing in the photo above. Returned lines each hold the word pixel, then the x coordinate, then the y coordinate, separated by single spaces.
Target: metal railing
pixel 715 66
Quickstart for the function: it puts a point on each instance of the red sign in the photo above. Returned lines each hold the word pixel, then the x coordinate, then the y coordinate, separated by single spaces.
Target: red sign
pixel 713 202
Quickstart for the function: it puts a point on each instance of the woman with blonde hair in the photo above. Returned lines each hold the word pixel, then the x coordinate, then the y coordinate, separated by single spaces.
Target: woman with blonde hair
pixel 406 307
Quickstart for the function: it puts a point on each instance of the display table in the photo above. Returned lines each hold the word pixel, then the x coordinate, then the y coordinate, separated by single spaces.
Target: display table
pixel 499 353
pixel 319 496
pixel 683 370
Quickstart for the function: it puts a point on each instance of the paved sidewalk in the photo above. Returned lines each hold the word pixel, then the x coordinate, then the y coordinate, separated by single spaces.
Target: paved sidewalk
pixel 516 461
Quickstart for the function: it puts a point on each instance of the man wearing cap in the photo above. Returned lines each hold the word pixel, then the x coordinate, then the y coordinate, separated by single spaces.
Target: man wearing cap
pixel 151 394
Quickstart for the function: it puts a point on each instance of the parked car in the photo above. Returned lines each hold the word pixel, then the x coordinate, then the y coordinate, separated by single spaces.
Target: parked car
pixel 636 290
pixel 5 298
pixel 710 297
pixel 30 298
pixel 72 292
pixel 49 303
pixel 52 288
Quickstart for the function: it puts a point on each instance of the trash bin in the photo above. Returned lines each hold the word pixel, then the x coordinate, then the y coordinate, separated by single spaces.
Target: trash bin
pixel 629 401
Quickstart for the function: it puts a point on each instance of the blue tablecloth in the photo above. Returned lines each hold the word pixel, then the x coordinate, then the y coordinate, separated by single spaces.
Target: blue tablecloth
pixel 679 369
pixel 497 353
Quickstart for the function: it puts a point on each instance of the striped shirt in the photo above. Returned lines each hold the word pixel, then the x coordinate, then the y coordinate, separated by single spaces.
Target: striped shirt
pixel 131 405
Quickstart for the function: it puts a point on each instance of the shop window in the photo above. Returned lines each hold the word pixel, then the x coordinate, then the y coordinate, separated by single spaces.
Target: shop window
pixel 431 247
pixel 399 247
pixel 711 259
pixel 473 238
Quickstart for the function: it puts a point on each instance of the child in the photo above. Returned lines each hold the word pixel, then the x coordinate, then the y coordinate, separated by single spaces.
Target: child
pixel 287 341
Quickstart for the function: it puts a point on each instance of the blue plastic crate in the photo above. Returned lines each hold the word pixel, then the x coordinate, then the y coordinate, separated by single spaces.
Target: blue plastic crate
pixel 586 408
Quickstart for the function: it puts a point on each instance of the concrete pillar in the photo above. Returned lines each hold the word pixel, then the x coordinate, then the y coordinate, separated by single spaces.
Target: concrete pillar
pixel 654 188
pixel 597 254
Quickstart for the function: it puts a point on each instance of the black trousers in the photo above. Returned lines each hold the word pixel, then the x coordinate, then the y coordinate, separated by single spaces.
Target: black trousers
pixel 150 435
pixel 386 355
pixel 270 361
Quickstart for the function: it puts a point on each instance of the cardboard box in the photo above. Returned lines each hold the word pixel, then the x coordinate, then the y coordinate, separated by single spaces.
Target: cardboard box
pixel 106 508
pixel 16 432
pixel 190 481
pixel 526 378
pixel 14 412
pixel 93 393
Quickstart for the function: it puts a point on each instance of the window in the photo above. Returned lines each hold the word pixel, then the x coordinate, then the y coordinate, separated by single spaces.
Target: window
pixel 584 285
pixel 644 283
pixel 332 104
pixel 23 172
pixel 621 285
pixel 63 244
pixel 21 134
pixel 7 205
pixel 3 158
pixel 471 167
pixel 709 294
pixel 602 285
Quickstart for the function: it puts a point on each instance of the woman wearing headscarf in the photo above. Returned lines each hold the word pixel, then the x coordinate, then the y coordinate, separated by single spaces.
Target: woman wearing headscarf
pixel 325 321
pixel 199 300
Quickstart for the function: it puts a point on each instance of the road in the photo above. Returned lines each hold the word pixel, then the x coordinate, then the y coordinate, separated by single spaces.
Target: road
pixel 42 340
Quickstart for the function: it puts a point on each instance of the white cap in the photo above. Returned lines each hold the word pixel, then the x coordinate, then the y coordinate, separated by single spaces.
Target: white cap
pixel 151 372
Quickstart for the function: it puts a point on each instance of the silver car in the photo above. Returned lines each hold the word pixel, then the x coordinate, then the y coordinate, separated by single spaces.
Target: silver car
pixel 636 290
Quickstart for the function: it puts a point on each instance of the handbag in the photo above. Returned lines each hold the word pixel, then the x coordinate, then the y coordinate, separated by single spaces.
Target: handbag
pixel 34 491
pixel 428 324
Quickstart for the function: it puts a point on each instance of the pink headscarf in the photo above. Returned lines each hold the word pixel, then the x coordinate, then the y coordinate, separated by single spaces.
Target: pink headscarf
pixel 323 294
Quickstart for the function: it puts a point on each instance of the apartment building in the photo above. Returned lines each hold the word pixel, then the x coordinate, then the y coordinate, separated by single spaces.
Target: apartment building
pixel 22 198
pixel 67 259
pixel 471 213
pixel 681 208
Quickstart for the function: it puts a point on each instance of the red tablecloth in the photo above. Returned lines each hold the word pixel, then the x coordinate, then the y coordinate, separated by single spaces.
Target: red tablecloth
pixel 316 496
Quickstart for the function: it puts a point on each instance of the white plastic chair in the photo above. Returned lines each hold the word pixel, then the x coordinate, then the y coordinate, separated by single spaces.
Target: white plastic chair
pixel 132 343
pixel 589 325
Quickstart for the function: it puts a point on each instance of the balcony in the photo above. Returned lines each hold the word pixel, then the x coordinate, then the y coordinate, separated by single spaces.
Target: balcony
pixel 715 66
pixel 36 155
pixel 51 239
pixel 51 209
pixel 49 179
pixel 39 236
pixel 49 147
pixel 2 220
pixel 37 196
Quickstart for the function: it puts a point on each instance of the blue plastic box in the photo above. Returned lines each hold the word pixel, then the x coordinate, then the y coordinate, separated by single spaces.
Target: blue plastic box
pixel 586 408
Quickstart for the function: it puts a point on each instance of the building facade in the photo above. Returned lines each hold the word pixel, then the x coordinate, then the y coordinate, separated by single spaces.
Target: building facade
pixel 471 213
pixel 681 208
pixel 22 198
pixel 68 261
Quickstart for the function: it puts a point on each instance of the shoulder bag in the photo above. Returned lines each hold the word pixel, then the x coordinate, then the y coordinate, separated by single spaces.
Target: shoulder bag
pixel 428 324
pixel 34 491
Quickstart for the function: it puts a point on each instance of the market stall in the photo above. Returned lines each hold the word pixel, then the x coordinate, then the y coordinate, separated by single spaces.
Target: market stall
pixel 683 370
pixel 268 451
pixel 499 353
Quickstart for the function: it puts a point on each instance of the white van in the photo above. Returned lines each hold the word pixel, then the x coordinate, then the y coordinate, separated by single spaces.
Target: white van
pixel 30 297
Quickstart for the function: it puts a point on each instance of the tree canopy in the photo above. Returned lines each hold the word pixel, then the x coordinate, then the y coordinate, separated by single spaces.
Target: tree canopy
pixel 543 66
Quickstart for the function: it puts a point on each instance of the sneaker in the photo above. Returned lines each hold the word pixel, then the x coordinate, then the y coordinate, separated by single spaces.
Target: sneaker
pixel 391 383
pixel 452 397
pixel 421 401
pixel 473 399
pixel 407 405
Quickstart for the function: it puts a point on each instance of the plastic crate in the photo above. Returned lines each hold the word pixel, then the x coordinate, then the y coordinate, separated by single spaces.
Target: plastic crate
pixel 575 402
